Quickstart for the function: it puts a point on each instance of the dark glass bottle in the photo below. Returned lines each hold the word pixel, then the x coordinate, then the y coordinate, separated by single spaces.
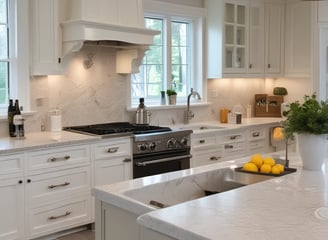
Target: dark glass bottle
pixel 17 110
pixel 11 113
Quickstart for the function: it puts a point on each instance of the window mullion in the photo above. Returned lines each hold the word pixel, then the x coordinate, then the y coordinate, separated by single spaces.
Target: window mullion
pixel 168 60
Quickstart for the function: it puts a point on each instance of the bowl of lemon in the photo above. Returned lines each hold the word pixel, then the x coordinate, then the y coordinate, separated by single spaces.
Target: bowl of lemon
pixel 259 164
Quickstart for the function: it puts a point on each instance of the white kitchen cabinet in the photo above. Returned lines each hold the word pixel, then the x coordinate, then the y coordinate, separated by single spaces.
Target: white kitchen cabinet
pixel 274 38
pixel 322 11
pixel 113 161
pixel 247 41
pixel 200 158
pixel 12 197
pixel 298 39
pixel 46 38
pixel 256 38
pixel 57 189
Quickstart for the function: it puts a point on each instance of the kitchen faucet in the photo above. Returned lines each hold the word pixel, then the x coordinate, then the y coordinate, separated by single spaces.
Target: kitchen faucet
pixel 188 113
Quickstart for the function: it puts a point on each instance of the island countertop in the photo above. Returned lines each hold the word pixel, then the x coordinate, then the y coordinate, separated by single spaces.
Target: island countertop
pixel 293 206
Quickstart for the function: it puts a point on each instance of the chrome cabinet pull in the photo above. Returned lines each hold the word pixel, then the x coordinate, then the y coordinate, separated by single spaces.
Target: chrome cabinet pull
pixel 56 159
pixel 256 134
pixel 228 146
pixel 214 158
pixel 234 137
pixel 112 150
pixel 59 185
pixel 59 216
pixel 127 160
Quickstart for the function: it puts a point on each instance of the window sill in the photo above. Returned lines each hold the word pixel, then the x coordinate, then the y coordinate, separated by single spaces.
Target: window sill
pixel 171 107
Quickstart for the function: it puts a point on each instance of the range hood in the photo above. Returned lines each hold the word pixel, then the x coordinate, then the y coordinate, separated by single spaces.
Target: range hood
pixel 117 22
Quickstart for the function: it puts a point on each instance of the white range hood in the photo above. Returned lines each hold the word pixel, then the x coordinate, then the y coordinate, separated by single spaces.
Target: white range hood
pixel 120 22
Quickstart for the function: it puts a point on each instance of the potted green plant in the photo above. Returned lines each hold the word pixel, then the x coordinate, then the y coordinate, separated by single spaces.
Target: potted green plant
pixel 172 95
pixel 309 122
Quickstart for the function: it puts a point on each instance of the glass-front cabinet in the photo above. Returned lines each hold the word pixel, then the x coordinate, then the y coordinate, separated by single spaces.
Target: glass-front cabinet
pixel 244 39
pixel 235 36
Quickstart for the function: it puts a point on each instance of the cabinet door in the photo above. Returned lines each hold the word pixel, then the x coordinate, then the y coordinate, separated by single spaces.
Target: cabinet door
pixel 235 37
pixel 274 15
pixel 322 11
pixel 256 38
pixel 112 170
pixel 12 209
pixel 298 39
pixel 46 38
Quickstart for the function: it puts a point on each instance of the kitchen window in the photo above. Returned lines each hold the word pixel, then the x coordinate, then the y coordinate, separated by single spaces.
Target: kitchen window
pixel 14 61
pixel 174 61
pixel 4 52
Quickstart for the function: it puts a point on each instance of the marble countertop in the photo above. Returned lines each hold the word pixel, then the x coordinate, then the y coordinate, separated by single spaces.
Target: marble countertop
pixel 39 140
pixel 294 206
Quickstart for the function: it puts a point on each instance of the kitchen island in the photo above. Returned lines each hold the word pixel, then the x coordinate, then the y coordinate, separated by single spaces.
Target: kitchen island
pixel 294 206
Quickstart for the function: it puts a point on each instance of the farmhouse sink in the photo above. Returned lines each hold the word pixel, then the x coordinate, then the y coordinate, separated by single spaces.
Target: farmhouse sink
pixel 192 187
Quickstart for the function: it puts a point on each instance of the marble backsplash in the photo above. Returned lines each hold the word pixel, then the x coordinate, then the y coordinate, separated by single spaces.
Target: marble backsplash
pixel 98 94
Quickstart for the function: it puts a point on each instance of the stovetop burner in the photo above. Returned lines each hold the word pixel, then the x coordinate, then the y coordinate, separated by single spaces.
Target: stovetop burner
pixel 117 127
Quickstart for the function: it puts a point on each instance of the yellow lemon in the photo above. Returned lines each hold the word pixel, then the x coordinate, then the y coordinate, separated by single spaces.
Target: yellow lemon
pixel 251 167
pixel 275 170
pixel 281 167
pixel 269 160
pixel 257 160
pixel 266 168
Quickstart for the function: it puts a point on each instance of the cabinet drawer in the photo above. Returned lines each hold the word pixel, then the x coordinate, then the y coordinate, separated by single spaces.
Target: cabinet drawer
pixel 232 137
pixel 11 164
pixel 58 157
pixel 112 149
pixel 201 158
pixel 256 134
pixel 46 188
pixel 201 142
pixel 234 148
pixel 60 216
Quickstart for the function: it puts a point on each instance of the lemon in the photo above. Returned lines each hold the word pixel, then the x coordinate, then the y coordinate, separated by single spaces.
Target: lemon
pixel 266 168
pixel 281 167
pixel 269 160
pixel 257 160
pixel 251 167
pixel 275 169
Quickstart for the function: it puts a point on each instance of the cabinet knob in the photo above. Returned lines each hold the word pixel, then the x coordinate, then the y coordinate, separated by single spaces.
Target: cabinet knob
pixel 202 141
pixel 29 180
pixel 20 181
pixel 250 65
pixel 269 65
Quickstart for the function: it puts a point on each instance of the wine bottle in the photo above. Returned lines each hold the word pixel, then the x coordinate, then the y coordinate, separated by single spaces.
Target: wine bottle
pixel 11 113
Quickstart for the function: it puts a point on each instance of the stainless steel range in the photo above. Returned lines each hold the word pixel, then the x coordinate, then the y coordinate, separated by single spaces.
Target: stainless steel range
pixel 155 149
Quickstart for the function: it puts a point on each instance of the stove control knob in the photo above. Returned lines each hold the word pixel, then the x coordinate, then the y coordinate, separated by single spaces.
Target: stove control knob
pixel 152 146
pixel 184 141
pixel 171 143
pixel 142 147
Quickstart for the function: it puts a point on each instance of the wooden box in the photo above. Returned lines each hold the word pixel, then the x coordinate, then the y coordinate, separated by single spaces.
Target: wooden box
pixel 268 106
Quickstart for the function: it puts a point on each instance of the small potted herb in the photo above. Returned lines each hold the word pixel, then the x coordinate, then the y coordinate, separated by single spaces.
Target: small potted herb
pixel 172 95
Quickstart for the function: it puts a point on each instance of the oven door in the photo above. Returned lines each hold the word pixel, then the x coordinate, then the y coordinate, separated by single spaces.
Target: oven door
pixel 148 164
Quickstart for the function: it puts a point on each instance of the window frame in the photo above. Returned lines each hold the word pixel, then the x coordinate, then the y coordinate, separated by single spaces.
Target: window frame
pixel 196 18
pixel 19 35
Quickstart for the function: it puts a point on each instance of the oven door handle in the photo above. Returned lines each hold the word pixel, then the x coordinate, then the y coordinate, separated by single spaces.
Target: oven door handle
pixel 143 164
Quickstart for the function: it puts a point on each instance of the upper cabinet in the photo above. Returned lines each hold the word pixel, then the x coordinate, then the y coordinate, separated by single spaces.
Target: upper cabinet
pixel 298 30
pixel 274 39
pixel 244 38
pixel 46 38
